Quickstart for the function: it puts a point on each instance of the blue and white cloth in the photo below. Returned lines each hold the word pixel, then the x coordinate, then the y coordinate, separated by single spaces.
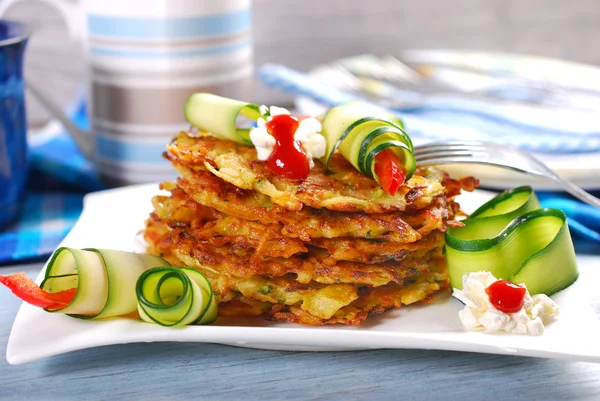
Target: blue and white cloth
pixel 443 117
pixel 46 218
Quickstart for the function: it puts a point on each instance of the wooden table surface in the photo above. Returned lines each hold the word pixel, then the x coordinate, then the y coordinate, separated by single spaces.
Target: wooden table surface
pixel 185 371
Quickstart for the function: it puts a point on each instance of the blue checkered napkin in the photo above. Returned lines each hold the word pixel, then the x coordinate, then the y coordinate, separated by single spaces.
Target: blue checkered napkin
pixel 444 117
pixel 45 220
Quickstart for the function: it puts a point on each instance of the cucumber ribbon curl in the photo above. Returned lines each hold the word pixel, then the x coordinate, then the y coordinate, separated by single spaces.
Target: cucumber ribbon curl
pixel 218 115
pixel 359 131
pixel 175 297
pixel 111 283
pixel 105 280
pixel 514 239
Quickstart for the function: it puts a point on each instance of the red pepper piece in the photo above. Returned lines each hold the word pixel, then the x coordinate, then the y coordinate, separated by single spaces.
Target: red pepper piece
pixel 26 289
pixel 390 171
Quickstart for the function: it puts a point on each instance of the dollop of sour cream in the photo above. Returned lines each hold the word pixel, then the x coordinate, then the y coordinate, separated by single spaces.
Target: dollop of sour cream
pixel 479 312
pixel 308 134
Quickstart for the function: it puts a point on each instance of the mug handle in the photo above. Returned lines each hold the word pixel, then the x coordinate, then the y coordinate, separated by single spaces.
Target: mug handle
pixel 74 18
pixel 69 11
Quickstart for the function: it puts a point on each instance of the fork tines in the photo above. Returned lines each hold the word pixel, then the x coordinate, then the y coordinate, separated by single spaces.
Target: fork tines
pixel 447 149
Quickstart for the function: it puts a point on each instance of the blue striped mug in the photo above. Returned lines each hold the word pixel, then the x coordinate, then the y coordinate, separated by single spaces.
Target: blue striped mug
pixel 145 57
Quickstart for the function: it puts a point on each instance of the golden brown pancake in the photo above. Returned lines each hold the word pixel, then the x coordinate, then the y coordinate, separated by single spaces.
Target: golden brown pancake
pixel 342 188
pixel 332 249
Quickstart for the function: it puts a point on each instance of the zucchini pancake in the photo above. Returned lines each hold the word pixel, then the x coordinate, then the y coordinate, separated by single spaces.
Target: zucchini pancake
pixel 332 246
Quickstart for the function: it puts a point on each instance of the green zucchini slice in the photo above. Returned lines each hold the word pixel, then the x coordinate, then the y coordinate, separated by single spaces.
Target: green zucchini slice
pixel 512 238
pixel 359 131
pixel 175 296
pixel 105 280
pixel 218 115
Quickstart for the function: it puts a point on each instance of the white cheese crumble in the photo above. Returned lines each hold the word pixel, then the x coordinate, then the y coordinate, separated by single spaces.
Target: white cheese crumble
pixel 308 134
pixel 262 141
pixel 479 311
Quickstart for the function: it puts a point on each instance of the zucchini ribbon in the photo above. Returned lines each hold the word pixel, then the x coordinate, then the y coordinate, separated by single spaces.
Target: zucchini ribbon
pixel 112 283
pixel 514 239
pixel 175 297
pixel 360 131
pixel 105 280
pixel 218 115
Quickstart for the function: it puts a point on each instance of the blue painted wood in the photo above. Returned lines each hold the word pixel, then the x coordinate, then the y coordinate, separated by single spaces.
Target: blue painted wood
pixel 183 371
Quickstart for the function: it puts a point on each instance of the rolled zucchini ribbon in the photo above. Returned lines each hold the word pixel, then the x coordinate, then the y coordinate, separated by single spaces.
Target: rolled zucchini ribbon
pixel 360 131
pixel 112 283
pixel 516 240
pixel 218 115
pixel 175 297
pixel 105 280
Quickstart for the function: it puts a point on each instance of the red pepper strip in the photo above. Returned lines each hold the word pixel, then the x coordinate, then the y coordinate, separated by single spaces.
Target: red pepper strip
pixel 390 171
pixel 26 289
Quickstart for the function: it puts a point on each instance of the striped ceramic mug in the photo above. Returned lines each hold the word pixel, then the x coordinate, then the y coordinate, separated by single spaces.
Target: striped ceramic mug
pixel 145 57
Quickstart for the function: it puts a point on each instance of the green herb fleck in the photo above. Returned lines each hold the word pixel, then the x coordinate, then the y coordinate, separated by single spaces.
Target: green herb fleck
pixel 265 289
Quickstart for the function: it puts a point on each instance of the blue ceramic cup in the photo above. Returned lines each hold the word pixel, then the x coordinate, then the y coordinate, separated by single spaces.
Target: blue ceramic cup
pixel 13 124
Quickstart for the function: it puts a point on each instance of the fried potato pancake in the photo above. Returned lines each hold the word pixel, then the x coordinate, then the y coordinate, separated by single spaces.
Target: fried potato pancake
pixel 371 251
pixel 282 298
pixel 423 221
pixel 158 239
pixel 307 223
pixel 267 243
pixel 342 188
pixel 314 266
pixel 268 240
pixel 221 230
pixel 324 307
pixel 314 294
pixel 332 249
pixel 236 263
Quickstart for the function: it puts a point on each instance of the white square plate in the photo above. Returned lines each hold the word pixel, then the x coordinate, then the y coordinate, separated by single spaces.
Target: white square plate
pixel 112 219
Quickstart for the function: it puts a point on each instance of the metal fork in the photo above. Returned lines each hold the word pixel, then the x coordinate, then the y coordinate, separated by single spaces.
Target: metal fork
pixel 494 154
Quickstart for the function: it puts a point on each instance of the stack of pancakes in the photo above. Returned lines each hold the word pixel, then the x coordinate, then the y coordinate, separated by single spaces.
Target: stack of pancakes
pixel 334 248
